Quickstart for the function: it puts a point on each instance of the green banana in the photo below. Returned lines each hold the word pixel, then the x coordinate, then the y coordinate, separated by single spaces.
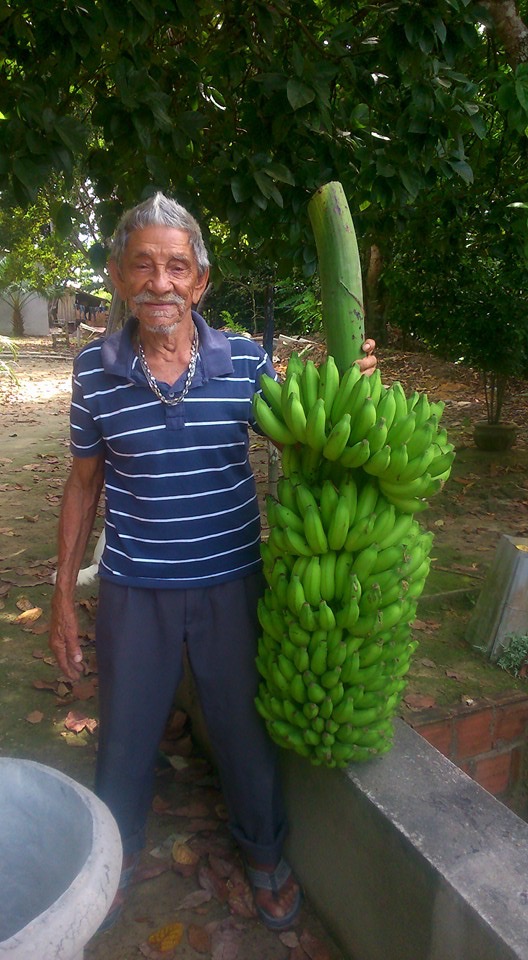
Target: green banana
pixel 387 407
pixel 286 494
pixel 285 517
pixel 377 435
pixel 343 396
pixel 314 531
pixel 295 417
pixel 339 524
pixel 315 430
pixel 367 500
pixel 402 430
pixel 337 438
pixel 378 462
pixel 309 385
pixel 362 421
pixel 364 562
pixel 326 616
pixel 328 383
pixel 356 455
pixel 422 438
pixel 270 424
pixel 328 503
pixel 304 497
pixel 399 459
pixel 295 595
pixel 271 391
pixel 312 581
pixel 295 543
pixel 327 566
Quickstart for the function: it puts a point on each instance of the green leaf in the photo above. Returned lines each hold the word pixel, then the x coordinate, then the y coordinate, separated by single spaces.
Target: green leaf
pixel 463 169
pixel 146 10
pixel 97 256
pixel 64 220
pixel 30 174
pixel 241 188
pixel 299 94
pixel 278 171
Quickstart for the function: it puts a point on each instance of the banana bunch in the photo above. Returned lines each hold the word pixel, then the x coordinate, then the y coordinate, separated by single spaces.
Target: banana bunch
pixel 345 561
pixel 354 422
pixel 344 571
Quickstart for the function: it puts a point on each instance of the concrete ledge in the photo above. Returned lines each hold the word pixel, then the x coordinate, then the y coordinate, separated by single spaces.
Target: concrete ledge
pixel 407 858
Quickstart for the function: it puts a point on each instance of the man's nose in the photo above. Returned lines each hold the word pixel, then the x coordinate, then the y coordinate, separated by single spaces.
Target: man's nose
pixel 160 280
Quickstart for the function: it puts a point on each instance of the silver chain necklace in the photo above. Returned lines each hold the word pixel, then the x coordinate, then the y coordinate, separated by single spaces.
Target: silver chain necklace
pixel 151 379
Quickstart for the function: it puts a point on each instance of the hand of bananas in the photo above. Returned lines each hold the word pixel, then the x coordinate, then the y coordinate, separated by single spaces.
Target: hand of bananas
pixel 345 561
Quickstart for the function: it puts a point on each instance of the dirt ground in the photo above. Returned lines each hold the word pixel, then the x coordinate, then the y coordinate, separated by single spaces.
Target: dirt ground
pixel 190 873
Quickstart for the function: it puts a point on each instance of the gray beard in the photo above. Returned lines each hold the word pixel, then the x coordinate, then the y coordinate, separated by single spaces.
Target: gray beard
pixel 163 329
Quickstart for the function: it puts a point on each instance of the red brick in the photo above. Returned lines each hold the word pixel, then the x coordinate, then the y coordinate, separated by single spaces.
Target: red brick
pixel 440 735
pixel 516 766
pixel 511 722
pixel 493 773
pixel 473 734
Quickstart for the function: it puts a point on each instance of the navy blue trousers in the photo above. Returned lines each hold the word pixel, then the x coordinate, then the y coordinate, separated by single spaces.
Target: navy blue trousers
pixel 140 637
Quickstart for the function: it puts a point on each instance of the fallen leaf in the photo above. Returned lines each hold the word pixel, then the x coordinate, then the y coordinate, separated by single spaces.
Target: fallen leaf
pixel 35 716
pixel 84 690
pixel 149 872
pixel 167 937
pixel 195 899
pixel 29 616
pixel 454 675
pixel 315 949
pixel 77 722
pixel 192 810
pixel 199 938
pixel 426 662
pixel 225 943
pixel 208 880
pixel 289 939
pixel 419 701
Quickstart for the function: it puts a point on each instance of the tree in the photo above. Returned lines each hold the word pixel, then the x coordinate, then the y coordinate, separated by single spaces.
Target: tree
pixel 241 112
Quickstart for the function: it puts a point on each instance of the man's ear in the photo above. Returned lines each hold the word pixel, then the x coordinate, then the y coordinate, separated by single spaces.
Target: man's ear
pixel 200 287
pixel 116 277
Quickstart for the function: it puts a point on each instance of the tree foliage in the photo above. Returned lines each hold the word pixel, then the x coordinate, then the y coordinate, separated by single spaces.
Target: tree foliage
pixel 241 111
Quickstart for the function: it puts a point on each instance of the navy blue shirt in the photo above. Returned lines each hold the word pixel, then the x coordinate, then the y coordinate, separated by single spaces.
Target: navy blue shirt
pixel 181 504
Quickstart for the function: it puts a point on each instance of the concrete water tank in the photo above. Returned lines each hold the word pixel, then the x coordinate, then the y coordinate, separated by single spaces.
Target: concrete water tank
pixel 60 862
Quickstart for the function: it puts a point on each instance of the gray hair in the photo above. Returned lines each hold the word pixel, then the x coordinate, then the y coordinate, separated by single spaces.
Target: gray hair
pixel 160 211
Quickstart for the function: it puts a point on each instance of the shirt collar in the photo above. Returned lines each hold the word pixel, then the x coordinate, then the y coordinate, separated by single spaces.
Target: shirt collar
pixel 119 356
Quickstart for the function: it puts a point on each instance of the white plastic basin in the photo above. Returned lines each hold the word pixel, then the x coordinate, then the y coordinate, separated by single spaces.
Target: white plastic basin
pixel 60 862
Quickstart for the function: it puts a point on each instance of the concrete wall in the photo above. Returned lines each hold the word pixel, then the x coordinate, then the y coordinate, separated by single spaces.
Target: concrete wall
pixel 34 312
pixel 407 858
pixel 404 857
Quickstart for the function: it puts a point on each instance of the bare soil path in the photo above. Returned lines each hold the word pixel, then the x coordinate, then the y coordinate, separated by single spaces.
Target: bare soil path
pixel 190 872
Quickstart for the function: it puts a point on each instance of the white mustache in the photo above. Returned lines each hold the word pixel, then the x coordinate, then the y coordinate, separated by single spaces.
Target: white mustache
pixel 147 297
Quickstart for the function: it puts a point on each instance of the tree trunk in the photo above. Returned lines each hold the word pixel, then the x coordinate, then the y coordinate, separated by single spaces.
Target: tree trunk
pixel 267 342
pixel 18 321
pixel 116 315
pixel 510 29
pixel 374 306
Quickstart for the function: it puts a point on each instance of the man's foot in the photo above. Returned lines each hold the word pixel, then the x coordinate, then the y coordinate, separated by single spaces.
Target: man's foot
pixel 276 893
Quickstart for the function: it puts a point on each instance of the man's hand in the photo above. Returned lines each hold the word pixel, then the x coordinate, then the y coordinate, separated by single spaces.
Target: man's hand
pixel 64 639
pixel 369 362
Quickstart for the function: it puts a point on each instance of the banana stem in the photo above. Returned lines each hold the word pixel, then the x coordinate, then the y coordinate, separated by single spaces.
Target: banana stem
pixel 339 274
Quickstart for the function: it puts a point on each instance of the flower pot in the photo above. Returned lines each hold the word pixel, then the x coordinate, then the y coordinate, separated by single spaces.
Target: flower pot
pixel 494 436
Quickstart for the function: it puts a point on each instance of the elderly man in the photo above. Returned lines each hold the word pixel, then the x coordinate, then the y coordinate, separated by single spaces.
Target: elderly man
pixel 160 414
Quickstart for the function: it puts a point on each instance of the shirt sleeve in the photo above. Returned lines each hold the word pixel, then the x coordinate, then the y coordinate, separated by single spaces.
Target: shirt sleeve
pixel 85 435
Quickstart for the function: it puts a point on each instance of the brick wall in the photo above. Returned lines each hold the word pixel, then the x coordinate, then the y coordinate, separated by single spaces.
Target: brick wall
pixel 488 740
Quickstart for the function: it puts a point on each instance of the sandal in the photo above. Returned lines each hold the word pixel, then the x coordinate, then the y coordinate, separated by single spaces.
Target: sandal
pixel 118 902
pixel 274 881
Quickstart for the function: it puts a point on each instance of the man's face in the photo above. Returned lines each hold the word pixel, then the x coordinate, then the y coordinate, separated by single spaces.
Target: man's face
pixel 158 276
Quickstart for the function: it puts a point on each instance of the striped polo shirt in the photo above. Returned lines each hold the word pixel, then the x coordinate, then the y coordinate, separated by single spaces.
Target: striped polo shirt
pixel 181 504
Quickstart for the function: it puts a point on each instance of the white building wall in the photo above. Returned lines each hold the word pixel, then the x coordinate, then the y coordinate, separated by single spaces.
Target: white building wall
pixel 34 312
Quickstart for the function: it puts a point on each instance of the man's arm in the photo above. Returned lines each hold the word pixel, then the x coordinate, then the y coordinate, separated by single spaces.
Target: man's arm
pixel 78 510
